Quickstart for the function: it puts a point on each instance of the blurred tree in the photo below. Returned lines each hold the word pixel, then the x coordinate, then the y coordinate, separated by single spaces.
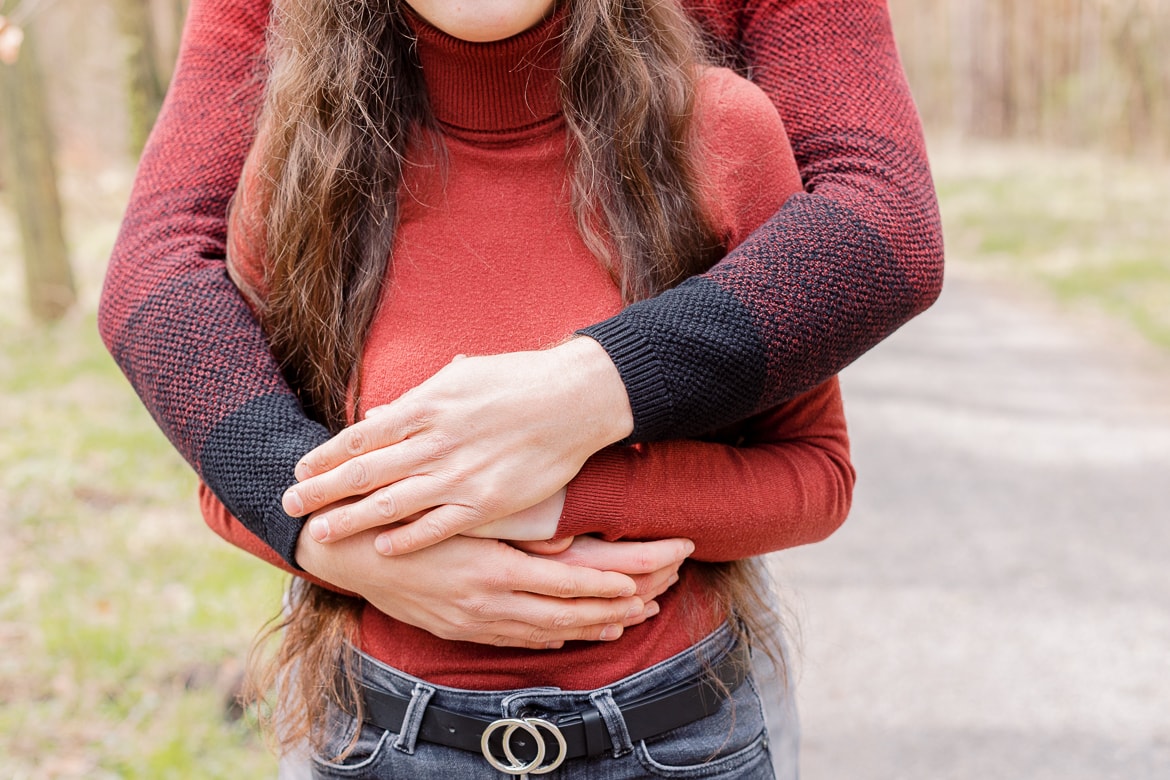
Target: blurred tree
pixel 1087 72
pixel 145 83
pixel 31 178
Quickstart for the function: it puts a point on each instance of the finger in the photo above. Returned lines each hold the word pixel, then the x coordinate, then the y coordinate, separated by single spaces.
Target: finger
pixel 651 586
pixel 650 610
pixel 626 557
pixel 580 618
pixel 547 577
pixel 440 523
pixel 382 427
pixel 515 633
pixel 398 503
pixel 359 476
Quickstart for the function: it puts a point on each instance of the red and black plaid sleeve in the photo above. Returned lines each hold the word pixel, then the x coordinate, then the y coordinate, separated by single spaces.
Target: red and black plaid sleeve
pixel 832 274
pixel 836 270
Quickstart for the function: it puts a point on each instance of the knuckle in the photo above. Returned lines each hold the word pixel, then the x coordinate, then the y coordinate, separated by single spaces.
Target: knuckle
pixel 357 476
pixel 565 588
pixel 315 494
pixel 344 522
pixel 462 631
pixel 354 441
pixel 450 523
pixel 493 496
pixel 438 445
pixel 643 561
pixel 538 636
pixel 563 618
pixel 499 581
pixel 417 415
pixel 481 609
pixel 385 505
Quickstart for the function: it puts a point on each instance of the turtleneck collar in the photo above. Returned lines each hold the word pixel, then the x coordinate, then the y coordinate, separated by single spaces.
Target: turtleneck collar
pixel 492 87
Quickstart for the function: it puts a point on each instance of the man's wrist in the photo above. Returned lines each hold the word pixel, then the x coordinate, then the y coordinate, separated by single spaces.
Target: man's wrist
pixel 600 390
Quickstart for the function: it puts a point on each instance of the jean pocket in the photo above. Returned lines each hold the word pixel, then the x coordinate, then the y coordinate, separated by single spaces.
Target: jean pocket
pixel 343 756
pixel 730 743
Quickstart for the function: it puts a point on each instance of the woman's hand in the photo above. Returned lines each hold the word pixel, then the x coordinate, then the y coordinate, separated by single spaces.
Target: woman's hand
pixel 485 591
pixel 482 439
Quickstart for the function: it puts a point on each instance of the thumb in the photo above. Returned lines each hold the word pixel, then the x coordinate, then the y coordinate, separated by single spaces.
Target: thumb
pixel 545 547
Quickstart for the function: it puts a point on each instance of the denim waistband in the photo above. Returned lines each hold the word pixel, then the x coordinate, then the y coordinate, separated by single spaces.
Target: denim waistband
pixel 548 703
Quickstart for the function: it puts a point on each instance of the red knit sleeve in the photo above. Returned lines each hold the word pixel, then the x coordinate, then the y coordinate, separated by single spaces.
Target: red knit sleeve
pixel 788 481
pixel 169 315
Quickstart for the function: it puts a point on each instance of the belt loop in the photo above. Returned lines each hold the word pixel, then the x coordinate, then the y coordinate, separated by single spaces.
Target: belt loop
pixel 420 697
pixel 612 715
pixel 594 732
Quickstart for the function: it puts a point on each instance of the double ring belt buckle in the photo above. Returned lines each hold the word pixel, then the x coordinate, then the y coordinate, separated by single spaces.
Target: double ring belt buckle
pixel 536 728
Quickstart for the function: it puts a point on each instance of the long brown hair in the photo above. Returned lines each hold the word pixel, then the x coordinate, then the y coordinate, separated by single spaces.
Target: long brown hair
pixel 344 105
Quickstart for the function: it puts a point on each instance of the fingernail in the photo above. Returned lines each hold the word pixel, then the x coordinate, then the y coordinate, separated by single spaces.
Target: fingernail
pixel 688 547
pixel 652 609
pixel 319 529
pixel 673 579
pixel 554 645
pixel 628 591
pixel 303 471
pixel 634 612
pixel 293 504
pixel 611 632
pixel 383 545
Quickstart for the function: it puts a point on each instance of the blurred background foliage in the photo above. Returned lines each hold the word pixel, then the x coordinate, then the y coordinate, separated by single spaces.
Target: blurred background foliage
pixel 1086 73
pixel 124 623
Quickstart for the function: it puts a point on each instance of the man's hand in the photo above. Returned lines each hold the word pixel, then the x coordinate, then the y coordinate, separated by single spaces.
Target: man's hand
pixel 484 438
pixel 482 590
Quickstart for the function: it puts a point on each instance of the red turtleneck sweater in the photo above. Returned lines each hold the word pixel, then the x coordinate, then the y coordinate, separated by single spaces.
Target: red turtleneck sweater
pixel 465 279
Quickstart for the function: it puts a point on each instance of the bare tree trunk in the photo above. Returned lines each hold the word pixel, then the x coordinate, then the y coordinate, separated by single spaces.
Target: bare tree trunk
pixel 31 178
pixel 145 87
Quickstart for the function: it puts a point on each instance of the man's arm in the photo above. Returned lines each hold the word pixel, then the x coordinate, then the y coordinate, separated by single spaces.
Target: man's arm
pixel 836 270
pixel 169 315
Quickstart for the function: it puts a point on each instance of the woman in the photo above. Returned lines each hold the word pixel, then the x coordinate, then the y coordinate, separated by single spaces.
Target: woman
pixel 829 276
pixel 454 160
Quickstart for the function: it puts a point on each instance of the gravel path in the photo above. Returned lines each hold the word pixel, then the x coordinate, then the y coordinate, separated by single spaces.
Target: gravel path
pixel 998 604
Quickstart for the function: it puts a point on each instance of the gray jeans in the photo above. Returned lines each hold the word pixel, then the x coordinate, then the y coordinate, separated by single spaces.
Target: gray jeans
pixel 778 696
pixel 777 692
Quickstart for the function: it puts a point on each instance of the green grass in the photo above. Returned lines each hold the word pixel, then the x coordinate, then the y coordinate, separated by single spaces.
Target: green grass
pixel 1095 231
pixel 124 621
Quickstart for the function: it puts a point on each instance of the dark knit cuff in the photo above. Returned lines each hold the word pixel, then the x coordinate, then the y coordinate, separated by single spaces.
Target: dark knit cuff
pixel 249 460
pixel 641 373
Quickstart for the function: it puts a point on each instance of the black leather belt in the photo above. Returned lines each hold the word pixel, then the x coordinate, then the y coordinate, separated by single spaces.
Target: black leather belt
pixel 522 742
